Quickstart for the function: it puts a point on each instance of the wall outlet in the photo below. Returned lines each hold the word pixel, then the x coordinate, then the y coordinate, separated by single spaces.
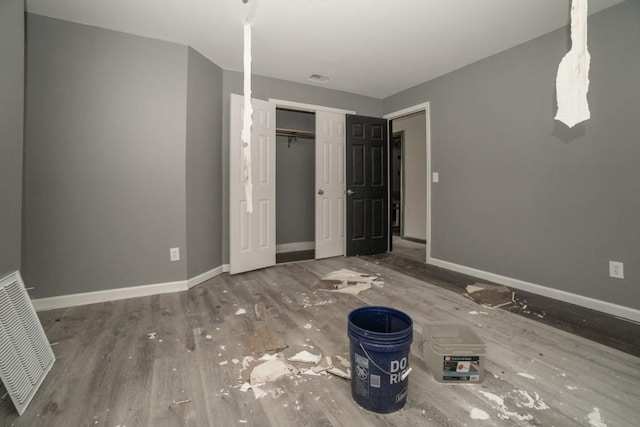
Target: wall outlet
pixel 435 177
pixel 616 269
pixel 174 254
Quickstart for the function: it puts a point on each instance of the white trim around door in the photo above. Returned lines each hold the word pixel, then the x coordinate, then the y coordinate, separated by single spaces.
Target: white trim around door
pixel 427 112
pixel 281 103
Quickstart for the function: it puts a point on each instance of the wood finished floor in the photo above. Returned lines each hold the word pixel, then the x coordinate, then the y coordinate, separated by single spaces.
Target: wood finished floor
pixel 408 257
pixel 108 372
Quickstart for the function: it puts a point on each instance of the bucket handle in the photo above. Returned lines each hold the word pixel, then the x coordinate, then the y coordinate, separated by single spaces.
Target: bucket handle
pixel 374 363
pixel 403 376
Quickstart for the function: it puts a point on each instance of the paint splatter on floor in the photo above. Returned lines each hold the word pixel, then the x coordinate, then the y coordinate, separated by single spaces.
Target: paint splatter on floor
pixel 595 419
pixel 478 414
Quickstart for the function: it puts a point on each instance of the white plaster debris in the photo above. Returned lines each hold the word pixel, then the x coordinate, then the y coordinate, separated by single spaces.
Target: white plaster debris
pixel 151 335
pixel 235 361
pixel 224 362
pixel 352 282
pixel 208 337
pixel 268 356
pixel 308 326
pixel 259 393
pixel 473 288
pixel 268 371
pixel 571 387
pixel 478 414
pixel 241 311
pixel 340 373
pixel 504 413
pixel 525 375
pixel 531 402
pixel 344 362
pixel 572 81
pixel 306 357
pixel 182 401
pixel 595 420
pixel 242 421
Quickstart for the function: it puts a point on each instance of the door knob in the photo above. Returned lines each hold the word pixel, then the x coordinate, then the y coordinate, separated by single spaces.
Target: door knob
pixel 321 192
pixel 350 192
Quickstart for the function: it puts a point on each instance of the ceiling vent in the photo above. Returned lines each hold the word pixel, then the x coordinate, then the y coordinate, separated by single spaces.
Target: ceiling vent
pixel 318 78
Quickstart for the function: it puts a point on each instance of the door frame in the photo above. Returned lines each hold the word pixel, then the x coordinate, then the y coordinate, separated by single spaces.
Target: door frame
pixel 425 106
pixel 300 106
pixel 402 179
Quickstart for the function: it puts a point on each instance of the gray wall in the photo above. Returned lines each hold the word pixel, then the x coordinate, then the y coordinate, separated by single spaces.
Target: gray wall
pixel 265 88
pixel 11 141
pixel 104 158
pixel 524 196
pixel 295 179
pixel 203 156
pixel 415 174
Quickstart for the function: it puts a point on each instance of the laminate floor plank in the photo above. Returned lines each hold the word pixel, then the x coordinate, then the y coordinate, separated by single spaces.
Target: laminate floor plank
pixel 110 372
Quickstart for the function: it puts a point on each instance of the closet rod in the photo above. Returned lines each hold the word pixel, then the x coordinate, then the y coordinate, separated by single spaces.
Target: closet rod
pixel 295 133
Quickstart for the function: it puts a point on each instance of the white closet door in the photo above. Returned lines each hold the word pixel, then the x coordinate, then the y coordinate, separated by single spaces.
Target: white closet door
pixel 330 184
pixel 252 236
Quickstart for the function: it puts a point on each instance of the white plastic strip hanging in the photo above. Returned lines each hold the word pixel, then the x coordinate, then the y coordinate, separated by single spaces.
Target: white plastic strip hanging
pixel 572 82
pixel 247 120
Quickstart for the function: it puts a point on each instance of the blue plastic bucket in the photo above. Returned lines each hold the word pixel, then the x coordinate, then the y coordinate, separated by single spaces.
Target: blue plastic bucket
pixel 380 339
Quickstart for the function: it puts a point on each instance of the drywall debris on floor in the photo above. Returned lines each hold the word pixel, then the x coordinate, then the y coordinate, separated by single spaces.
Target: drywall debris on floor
pixel 518 398
pixel 522 304
pixel 348 282
pixel 528 401
pixel 525 375
pixel 151 335
pixel 269 370
pixel 489 296
pixel 260 310
pixel 241 311
pixel 595 419
pixel 478 414
pixel 312 300
pixel 306 357
pixel 262 375
pixel 181 401
pixel 340 373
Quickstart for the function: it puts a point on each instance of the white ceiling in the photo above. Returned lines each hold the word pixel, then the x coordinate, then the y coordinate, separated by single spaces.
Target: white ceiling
pixel 369 47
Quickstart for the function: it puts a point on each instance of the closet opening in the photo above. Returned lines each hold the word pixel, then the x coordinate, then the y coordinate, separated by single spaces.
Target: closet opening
pixel 295 185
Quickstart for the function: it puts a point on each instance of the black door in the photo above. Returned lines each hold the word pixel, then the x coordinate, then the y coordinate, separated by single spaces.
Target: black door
pixel 366 181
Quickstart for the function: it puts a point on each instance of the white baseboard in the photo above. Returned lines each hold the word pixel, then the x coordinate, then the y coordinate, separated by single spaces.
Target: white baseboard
pixel 226 268
pixel 592 303
pixel 72 300
pixel 201 278
pixel 294 247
